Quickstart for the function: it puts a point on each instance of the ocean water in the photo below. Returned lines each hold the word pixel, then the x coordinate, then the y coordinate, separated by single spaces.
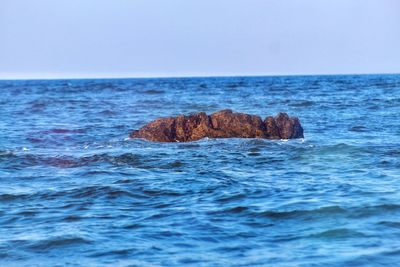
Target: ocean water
pixel 76 191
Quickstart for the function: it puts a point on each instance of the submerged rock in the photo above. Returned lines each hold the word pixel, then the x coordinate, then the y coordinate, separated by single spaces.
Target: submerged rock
pixel 222 124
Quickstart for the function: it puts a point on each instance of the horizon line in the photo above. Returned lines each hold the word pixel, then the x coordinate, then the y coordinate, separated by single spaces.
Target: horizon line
pixel 195 76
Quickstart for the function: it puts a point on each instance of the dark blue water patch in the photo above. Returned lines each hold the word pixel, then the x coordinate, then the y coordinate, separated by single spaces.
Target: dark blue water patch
pixel 359 128
pixel 76 191
pixel 56 243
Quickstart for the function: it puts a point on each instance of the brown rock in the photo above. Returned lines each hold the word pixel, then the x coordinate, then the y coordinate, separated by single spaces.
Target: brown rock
pixel 288 127
pixel 222 124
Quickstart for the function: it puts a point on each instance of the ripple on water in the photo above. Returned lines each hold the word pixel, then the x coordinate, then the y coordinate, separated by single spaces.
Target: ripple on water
pixel 57 242
pixel 340 233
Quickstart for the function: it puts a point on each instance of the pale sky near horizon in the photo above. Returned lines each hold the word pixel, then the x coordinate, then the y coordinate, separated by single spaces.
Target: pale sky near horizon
pixel 158 38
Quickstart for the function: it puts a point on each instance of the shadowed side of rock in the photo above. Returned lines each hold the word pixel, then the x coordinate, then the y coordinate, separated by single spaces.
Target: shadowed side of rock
pixel 222 124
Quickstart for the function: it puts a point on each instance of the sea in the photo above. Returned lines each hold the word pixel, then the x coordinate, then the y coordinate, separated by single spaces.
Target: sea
pixel 75 190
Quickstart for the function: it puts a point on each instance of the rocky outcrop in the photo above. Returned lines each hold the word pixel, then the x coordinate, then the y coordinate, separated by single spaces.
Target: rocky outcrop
pixel 222 124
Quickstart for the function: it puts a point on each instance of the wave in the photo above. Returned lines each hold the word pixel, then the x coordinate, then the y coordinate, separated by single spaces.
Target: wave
pixel 58 242
pixel 318 213
pixel 88 193
pixel 339 233
pixel 16 161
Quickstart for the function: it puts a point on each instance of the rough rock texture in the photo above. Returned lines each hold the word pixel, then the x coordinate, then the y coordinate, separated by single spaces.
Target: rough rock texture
pixel 222 124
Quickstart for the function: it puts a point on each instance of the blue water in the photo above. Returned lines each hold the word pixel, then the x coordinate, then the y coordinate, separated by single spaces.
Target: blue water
pixel 75 191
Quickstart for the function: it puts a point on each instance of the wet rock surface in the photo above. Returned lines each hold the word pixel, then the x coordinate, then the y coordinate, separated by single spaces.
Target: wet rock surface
pixel 221 124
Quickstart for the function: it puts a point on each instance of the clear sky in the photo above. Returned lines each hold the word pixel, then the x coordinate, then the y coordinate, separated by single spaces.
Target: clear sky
pixel 142 38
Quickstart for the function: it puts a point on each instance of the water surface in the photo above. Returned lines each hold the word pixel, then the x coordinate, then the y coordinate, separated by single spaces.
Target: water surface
pixel 75 191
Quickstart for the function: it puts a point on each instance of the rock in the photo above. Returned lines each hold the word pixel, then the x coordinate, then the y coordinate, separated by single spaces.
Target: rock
pixel 222 124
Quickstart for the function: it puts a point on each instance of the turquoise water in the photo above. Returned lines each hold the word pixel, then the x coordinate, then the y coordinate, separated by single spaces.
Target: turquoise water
pixel 76 191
